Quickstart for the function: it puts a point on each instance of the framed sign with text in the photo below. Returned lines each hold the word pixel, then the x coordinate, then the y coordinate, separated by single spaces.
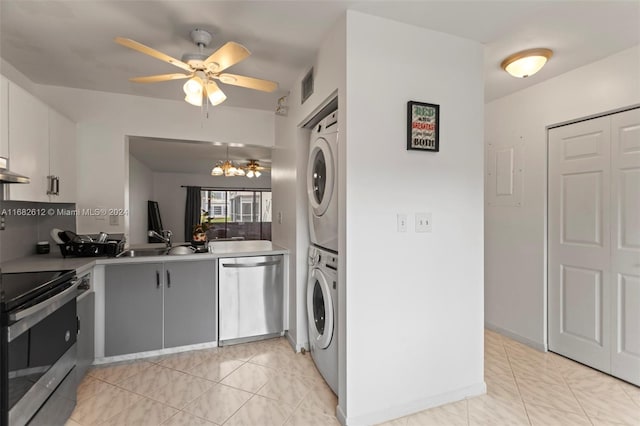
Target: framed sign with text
pixel 423 126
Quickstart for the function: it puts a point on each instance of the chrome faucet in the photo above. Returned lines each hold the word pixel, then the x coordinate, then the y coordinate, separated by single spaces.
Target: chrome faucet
pixel 165 237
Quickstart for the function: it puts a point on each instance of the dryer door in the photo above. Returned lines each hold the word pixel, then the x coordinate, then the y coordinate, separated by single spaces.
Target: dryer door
pixel 320 176
pixel 319 309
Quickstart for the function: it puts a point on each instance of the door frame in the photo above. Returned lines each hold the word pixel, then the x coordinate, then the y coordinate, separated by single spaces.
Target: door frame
pixel 546 209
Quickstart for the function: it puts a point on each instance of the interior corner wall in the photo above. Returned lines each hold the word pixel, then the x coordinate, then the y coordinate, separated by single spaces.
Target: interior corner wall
pixel 140 191
pixel 105 120
pixel 415 297
pixel 289 169
pixel 515 236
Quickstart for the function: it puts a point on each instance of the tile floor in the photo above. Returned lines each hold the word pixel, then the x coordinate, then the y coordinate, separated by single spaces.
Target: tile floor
pixel 265 383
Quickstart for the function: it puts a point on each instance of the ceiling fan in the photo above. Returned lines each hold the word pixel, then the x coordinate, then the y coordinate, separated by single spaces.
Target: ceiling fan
pixel 202 70
pixel 254 169
pixel 228 168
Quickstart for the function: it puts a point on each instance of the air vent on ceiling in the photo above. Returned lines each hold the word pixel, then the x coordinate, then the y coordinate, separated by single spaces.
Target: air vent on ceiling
pixel 307 86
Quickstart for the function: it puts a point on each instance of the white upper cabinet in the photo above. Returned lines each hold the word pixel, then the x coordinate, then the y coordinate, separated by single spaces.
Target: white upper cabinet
pixel 28 144
pixel 42 146
pixel 62 157
pixel 4 117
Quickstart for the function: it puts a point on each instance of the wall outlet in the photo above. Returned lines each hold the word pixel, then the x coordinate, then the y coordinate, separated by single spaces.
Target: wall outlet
pixel 402 222
pixel 423 222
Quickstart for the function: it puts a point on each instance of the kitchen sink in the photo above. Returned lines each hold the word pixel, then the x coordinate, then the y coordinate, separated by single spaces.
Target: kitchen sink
pixel 143 252
pixel 162 251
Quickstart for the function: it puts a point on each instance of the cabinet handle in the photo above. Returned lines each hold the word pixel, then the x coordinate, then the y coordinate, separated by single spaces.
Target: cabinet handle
pixel 57 185
pixel 50 191
pixel 157 279
pixel 168 279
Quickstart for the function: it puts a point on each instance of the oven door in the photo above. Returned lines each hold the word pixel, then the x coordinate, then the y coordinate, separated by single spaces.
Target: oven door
pixel 40 347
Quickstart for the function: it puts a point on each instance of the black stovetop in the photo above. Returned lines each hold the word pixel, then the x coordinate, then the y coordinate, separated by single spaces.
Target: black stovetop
pixel 19 288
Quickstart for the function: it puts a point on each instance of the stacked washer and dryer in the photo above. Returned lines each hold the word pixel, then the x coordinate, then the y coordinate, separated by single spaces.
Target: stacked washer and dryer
pixel 322 284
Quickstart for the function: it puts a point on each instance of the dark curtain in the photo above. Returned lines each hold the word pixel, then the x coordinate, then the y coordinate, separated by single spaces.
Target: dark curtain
pixel 192 211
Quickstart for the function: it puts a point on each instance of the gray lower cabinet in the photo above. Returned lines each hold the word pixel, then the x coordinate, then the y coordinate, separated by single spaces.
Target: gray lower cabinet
pixel 189 303
pixel 86 327
pixel 151 306
pixel 133 308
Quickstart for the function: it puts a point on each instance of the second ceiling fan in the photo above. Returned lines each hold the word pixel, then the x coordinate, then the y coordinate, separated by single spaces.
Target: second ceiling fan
pixel 202 70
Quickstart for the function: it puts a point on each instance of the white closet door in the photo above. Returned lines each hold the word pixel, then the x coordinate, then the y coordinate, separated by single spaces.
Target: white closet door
pixel 579 242
pixel 625 239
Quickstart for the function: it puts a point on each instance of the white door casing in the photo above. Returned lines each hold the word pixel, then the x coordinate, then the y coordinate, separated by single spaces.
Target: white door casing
pixel 625 245
pixel 579 264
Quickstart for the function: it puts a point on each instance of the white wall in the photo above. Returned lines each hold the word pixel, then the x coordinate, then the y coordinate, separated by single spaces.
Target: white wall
pixel 106 119
pixel 171 197
pixel 140 191
pixel 515 245
pixel 414 300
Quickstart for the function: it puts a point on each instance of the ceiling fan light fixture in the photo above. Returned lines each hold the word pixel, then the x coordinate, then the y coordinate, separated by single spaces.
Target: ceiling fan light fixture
pixel 527 62
pixel 215 95
pixel 257 174
pixel 195 100
pixel 239 171
pixel 250 174
pixel 217 171
pixel 193 86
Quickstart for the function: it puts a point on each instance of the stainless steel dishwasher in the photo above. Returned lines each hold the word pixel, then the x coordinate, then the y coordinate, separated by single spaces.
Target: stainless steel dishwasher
pixel 251 292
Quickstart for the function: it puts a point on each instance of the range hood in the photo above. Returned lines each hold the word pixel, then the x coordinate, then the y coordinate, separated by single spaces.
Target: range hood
pixel 7 176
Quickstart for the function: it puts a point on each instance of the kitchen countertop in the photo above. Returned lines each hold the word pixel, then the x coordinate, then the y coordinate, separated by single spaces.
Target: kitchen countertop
pixel 55 261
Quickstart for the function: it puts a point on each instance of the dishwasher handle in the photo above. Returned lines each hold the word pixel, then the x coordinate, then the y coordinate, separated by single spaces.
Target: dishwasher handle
pixel 251 265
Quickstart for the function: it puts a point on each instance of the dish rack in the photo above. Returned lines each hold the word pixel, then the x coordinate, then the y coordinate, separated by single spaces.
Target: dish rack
pixel 91 249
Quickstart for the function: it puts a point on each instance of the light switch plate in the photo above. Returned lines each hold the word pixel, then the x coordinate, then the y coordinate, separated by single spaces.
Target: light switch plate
pixel 402 222
pixel 114 220
pixel 423 222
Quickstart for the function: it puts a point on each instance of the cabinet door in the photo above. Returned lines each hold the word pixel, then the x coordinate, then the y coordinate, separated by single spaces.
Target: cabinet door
pixel 86 333
pixel 4 117
pixel 62 156
pixel 28 144
pixel 189 303
pixel 133 308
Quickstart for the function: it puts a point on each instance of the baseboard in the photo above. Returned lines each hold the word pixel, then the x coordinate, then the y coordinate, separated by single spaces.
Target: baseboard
pixel 294 344
pixel 510 334
pixel 148 354
pixel 341 416
pixel 412 407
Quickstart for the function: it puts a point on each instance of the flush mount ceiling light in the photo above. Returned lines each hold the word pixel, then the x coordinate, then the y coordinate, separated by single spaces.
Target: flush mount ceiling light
pixel 201 69
pixel 526 63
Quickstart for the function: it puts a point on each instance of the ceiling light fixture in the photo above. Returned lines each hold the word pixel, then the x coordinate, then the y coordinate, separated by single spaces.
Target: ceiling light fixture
pixel 227 168
pixel 527 62
pixel 252 169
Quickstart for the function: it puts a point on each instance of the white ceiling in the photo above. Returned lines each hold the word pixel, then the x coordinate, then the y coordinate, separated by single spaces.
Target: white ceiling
pixel 173 156
pixel 70 43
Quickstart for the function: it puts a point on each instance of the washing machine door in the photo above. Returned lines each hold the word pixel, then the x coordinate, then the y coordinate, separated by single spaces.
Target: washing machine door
pixel 320 176
pixel 319 309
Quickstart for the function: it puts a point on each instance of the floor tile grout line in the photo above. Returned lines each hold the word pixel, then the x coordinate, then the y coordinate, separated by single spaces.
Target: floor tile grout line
pixel 513 374
pixel 564 380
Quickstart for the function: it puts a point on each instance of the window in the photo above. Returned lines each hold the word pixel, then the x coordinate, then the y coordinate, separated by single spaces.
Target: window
pixel 232 213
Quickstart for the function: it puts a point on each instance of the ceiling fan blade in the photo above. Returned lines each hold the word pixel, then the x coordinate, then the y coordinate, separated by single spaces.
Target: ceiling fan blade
pixel 229 54
pixel 248 82
pixel 158 78
pixel 132 44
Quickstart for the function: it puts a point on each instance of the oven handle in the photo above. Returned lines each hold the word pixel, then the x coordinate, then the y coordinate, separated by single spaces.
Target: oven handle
pixel 51 304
